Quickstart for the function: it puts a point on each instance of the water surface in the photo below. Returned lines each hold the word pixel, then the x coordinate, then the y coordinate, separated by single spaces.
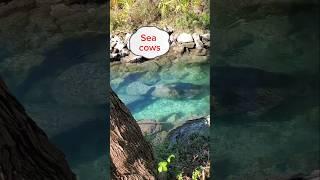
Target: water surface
pixel 266 86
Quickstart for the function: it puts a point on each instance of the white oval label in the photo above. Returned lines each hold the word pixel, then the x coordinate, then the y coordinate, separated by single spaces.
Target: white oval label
pixel 149 42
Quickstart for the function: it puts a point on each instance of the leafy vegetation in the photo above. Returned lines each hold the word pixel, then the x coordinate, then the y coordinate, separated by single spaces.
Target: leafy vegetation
pixel 196 174
pixel 181 14
pixel 186 159
pixel 163 165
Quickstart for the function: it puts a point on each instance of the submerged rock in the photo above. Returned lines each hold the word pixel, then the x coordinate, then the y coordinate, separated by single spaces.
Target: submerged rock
pixel 81 84
pixel 138 88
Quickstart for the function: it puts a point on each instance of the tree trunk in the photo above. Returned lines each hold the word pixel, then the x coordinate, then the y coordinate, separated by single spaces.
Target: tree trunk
pixel 131 155
pixel 25 151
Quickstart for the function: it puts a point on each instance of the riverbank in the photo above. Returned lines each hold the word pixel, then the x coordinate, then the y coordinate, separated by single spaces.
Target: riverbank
pixel 181 43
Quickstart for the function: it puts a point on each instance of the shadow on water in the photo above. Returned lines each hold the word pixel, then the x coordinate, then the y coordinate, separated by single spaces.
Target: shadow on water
pixel 128 79
pixel 228 80
pixel 3 53
pixel 243 77
pixel 70 52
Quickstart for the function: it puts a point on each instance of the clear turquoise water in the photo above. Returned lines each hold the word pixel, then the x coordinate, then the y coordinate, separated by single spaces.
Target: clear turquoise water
pixel 147 106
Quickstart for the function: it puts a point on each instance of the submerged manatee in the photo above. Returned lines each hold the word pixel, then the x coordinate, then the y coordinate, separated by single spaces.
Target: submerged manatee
pixel 177 90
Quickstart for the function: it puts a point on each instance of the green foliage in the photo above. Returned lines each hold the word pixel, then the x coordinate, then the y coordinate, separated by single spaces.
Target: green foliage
pixel 179 176
pixel 197 144
pixel 170 158
pixel 163 166
pixel 196 174
pixel 186 13
pixel 191 19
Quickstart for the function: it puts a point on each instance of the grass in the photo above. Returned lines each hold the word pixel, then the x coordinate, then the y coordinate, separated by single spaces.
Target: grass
pixel 180 14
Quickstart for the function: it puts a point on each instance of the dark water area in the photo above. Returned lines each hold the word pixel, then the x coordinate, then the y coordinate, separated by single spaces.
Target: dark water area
pixel 70 52
pixel 78 129
pixel 266 88
pixel 81 144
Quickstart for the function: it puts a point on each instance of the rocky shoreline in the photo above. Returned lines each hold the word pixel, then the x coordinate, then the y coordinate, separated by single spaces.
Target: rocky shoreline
pixel 194 44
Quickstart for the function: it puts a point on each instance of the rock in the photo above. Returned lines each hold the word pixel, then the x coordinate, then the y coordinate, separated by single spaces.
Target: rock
pixel 60 10
pixel 128 99
pixel 137 88
pixel 116 39
pixel 199 52
pixel 173 44
pixel 115 50
pixel 197 40
pixel 48 1
pixel 149 127
pixel 188 45
pixel 179 49
pixel 124 52
pixel 20 66
pixel 114 57
pixel 168 29
pixel 150 66
pixel 183 132
pixel 150 78
pixel 116 82
pixel 205 37
pixel 315 175
pixel 120 45
pixel 192 139
pixel 112 44
pixel 206 44
pixel 173 37
pixel 127 38
pixel 132 58
pixel 185 38
pixel 164 91
pixel 81 84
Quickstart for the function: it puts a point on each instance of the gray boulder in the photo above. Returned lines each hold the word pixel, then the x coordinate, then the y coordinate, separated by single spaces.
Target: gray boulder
pixel 184 38
pixel 197 40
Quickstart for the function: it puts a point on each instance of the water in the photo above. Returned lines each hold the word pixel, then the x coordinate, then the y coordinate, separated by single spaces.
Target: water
pixel 64 93
pixel 266 87
pixel 190 80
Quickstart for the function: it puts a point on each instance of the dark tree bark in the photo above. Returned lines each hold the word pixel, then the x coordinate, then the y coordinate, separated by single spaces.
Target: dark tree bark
pixel 25 151
pixel 131 155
